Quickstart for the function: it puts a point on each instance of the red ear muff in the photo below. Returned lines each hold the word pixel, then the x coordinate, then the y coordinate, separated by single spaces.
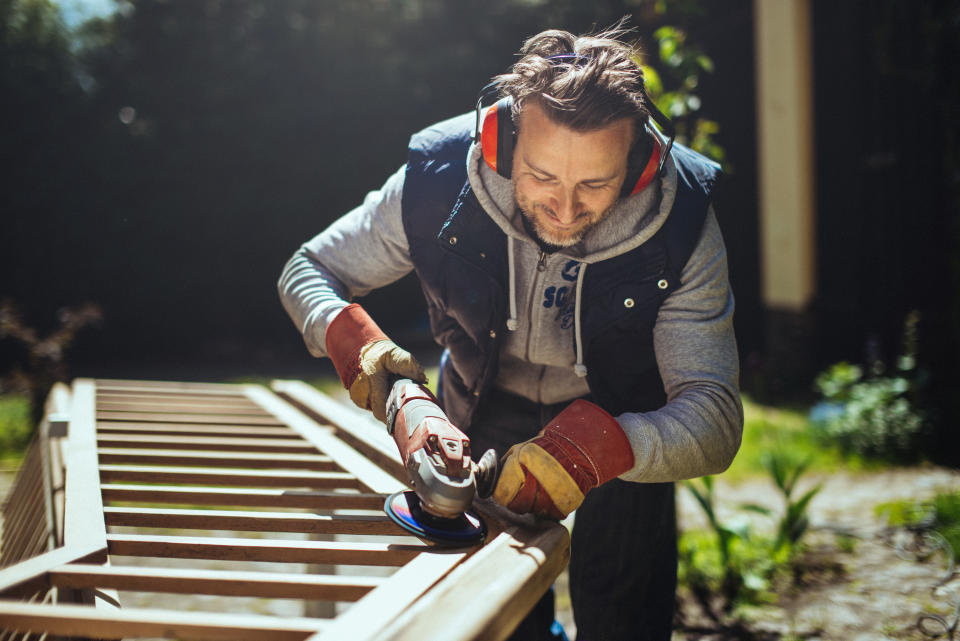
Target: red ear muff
pixel 496 137
pixel 650 170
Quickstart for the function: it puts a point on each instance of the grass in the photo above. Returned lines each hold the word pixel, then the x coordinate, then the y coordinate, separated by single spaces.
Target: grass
pixel 784 429
pixel 15 428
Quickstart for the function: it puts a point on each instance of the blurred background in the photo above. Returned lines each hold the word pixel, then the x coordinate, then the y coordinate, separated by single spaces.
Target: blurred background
pixel 161 160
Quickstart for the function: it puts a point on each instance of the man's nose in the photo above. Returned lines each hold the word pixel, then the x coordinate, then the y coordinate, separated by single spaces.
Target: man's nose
pixel 566 206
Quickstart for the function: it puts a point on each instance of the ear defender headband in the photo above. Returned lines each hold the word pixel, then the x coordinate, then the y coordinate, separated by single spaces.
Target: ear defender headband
pixel 497 136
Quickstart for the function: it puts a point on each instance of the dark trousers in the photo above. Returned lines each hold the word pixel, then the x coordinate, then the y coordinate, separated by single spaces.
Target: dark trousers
pixel 623 561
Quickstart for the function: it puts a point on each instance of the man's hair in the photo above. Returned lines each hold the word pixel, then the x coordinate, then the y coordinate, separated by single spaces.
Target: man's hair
pixel 582 82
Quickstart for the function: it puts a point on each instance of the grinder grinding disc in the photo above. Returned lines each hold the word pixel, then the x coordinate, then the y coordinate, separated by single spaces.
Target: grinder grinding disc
pixel 405 510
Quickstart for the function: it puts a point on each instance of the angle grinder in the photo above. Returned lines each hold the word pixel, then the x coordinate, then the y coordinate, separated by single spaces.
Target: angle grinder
pixel 436 455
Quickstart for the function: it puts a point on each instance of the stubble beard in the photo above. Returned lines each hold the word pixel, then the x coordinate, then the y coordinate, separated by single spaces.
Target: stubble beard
pixel 548 240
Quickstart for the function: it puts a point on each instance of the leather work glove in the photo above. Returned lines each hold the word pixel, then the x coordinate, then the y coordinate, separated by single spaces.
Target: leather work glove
pixel 582 447
pixel 365 358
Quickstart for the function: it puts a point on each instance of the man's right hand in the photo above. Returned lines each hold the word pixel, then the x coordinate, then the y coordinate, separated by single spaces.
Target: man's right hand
pixel 365 358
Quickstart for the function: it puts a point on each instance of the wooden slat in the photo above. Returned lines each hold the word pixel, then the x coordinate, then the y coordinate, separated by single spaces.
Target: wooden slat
pixel 168 387
pixel 324 439
pixel 185 417
pixel 27 576
pixel 278 551
pixel 83 519
pixel 358 429
pixel 186 429
pixel 179 407
pixel 240 521
pixel 208 400
pixel 274 498
pixel 207 458
pixel 81 621
pixel 226 583
pixel 251 478
pixel 25 522
pixel 220 443
pixel 388 601
pixel 217 443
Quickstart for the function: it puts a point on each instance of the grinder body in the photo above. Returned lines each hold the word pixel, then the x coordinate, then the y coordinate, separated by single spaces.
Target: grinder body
pixel 435 453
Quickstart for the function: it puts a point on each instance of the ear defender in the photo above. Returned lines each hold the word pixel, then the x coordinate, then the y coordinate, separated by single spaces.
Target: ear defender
pixel 497 136
pixel 643 165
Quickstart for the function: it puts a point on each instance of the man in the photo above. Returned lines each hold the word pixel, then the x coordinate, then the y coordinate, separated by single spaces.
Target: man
pixel 575 274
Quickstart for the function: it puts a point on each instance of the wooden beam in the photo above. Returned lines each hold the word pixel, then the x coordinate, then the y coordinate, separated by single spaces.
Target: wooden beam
pixel 271 585
pixel 84 526
pixel 278 551
pixel 358 428
pixel 253 478
pixel 87 622
pixel 207 458
pixel 236 520
pixel 325 440
pixel 501 582
pixel 274 498
pixel 218 443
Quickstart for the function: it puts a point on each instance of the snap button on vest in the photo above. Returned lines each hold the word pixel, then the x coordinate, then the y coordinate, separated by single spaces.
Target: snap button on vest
pixel 453 240
pixel 662 283
pixel 628 303
pixel 493 334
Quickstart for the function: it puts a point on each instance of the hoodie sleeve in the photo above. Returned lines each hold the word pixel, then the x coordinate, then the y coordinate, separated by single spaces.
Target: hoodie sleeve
pixel 363 250
pixel 698 431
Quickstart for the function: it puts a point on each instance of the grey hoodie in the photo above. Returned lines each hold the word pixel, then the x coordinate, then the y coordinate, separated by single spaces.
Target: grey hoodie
pixel 697 432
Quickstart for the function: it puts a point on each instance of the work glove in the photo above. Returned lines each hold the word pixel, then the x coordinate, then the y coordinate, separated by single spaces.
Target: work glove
pixel 581 448
pixel 365 359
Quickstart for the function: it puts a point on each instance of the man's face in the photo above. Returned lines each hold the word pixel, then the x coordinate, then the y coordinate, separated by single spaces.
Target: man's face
pixel 566 181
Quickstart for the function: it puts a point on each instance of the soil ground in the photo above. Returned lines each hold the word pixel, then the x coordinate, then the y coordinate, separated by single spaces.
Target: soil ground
pixel 858 584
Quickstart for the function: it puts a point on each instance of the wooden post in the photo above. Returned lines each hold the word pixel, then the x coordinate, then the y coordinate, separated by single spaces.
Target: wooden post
pixel 786 184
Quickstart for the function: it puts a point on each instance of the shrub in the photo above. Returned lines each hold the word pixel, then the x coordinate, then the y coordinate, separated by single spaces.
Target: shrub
pixel 874 416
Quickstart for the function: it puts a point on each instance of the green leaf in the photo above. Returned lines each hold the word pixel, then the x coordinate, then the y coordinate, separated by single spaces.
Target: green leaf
pixel 705 63
pixel 652 81
pixel 759 509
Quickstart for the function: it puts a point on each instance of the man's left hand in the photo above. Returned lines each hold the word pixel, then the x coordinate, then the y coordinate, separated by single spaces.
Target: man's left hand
pixel 550 474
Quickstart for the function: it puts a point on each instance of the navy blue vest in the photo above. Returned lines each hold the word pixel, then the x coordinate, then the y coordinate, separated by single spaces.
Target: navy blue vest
pixel 460 256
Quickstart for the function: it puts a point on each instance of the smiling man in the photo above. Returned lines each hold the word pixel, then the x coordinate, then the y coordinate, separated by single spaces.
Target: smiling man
pixel 575 274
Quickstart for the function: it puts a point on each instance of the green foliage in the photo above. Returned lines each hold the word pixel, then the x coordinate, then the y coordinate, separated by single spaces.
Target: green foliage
pixel 729 564
pixel 15 425
pixel 768 428
pixel 941 513
pixel 875 416
pixel 675 90
pixel 785 470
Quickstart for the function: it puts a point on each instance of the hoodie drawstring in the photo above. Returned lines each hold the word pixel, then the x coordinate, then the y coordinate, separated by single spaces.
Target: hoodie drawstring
pixel 512 322
pixel 579 369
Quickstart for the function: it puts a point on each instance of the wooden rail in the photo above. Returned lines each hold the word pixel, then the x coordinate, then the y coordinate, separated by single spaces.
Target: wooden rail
pixel 160 496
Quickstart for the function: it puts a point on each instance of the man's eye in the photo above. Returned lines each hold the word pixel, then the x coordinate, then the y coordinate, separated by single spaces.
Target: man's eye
pixel 596 186
pixel 541 179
